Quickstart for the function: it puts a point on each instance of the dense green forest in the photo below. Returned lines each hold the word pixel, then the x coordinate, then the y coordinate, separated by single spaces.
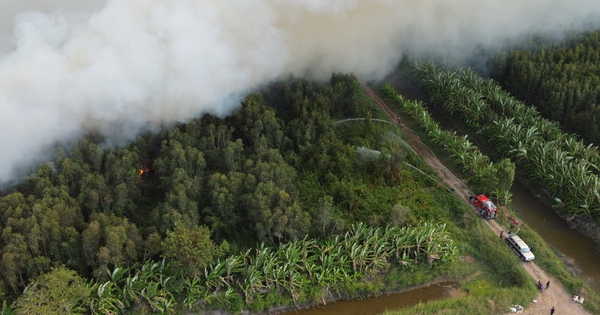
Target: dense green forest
pixel 562 81
pixel 306 193
pixel 152 225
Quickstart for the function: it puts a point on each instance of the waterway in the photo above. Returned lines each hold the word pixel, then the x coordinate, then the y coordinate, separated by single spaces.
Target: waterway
pixel 380 304
pixel 577 249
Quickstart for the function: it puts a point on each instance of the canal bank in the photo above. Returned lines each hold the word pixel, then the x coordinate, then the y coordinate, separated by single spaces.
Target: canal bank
pixel 556 295
pixel 388 302
pixel 579 252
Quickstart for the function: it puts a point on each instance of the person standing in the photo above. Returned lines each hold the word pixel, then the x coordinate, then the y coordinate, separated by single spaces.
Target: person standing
pixel 552 311
pixel 547 284
pixel 501 233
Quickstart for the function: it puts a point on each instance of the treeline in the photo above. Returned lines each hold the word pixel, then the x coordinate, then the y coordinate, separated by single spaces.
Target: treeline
pixel 549 157
pixel 562 81
pixel 275 171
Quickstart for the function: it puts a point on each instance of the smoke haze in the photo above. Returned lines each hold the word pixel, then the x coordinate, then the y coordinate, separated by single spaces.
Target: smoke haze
pixel 122 65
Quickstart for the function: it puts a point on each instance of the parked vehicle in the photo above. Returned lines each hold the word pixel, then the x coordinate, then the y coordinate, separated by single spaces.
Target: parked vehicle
pixel 519 247
pixel 486 208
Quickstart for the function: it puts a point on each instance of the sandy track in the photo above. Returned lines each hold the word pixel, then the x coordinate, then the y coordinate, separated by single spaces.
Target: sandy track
pixel 556 296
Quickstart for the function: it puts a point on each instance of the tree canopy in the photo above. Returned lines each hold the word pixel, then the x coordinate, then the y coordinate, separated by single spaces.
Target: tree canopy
pixel 275 170
pixel 562 81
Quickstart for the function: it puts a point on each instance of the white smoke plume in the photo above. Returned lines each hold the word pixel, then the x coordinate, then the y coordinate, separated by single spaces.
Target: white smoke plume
pixel 134 63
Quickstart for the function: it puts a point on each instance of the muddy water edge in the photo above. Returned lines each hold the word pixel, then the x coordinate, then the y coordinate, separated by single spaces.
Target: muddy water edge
pixel 580 252
pixel 380 304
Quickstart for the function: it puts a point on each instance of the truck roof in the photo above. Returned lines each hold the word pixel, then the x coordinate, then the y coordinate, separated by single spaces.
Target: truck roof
pixel 483 198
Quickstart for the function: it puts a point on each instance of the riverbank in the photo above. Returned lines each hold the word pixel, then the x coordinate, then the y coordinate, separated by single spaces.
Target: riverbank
pixel 451 180
pixel 503 282
pixel 586 227
pixel 453 291
pixel 382 303
pixel 406 87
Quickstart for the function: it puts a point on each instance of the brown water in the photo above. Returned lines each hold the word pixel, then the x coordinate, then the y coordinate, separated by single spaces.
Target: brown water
pixel 379 305
pixel 579 249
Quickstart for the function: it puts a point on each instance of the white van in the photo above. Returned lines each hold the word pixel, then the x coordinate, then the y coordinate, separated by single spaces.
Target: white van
pixel 519 247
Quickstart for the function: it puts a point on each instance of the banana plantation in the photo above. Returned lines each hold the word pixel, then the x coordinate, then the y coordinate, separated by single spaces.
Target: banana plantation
pixel 559 165
pixel 300 217
pixel 485 175
pixel 295 269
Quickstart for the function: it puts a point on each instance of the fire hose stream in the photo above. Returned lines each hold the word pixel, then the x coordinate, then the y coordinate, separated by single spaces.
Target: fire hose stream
pixel 557 297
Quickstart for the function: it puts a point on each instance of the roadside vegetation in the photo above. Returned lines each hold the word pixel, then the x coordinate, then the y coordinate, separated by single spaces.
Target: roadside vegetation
pixel 480 94
pixel 538 147
pixel 494 179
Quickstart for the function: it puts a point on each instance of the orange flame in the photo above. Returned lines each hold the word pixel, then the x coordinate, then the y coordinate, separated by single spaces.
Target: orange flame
pixel 141 172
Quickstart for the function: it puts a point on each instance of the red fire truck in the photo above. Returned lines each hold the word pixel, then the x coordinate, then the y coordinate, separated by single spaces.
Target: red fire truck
pixel 486 208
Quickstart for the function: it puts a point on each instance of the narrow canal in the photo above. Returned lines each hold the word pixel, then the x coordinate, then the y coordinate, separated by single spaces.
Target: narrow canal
pixel 577 249
pixel 380 304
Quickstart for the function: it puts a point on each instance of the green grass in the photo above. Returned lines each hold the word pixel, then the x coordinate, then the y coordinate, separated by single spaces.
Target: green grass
pixel 498 268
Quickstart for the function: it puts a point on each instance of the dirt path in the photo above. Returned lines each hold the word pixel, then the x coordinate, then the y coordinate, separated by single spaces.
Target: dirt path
pixel 556 296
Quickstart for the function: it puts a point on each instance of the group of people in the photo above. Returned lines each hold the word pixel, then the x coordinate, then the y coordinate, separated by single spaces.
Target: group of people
pixel 541 285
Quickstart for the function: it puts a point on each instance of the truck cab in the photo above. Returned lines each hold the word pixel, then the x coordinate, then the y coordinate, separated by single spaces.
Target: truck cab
pixel 520 247
pixel 486 208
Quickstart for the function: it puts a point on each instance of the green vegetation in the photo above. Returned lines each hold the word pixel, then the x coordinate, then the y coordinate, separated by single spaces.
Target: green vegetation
pixel 562 81
pixel 490 178
pixel 502 284
pixel 287 202
pixel 547 156
pixel 497 104
pixel 173 219
pixel 60 291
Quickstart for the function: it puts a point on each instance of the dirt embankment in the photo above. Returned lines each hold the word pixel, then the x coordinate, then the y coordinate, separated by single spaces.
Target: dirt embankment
pixel 556 296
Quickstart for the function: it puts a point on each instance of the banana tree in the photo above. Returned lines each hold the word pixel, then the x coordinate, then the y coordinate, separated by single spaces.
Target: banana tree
pixel 105 298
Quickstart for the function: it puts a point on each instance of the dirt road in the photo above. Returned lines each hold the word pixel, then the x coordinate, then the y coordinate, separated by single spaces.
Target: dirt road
pixel 556 296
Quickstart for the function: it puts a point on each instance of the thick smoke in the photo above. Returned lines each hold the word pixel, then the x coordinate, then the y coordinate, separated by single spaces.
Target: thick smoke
pixel 140 63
